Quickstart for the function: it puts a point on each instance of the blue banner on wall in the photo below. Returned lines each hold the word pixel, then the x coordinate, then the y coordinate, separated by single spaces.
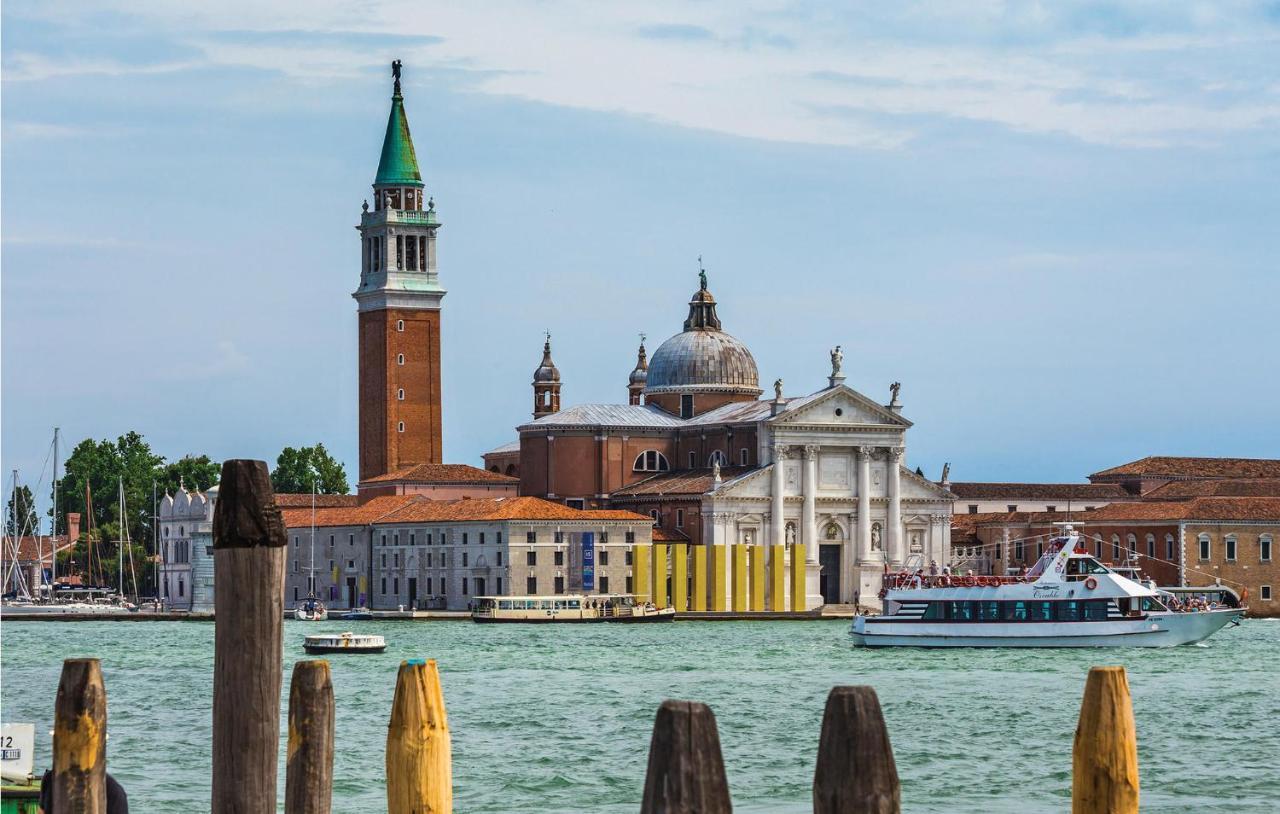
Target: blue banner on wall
pixel 588 561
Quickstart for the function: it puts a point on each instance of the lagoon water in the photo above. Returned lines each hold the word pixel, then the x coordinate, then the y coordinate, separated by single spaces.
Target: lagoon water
pixel 558 718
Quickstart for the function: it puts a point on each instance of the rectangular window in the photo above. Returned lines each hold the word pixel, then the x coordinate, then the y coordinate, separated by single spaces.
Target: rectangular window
pixel 482 538
pixel 559 585
pixel 987 611
pixel 973 508
pixel 1264 549
pixel 464 561
pixel 1018 550
pixel 559 538
pixel 384 585
pixel 1014 611
pixel 428 561
pixel 960 611
pixel 679 518
pixel 498 538
pixel 1070 611
pixel 999 551
pixel 464 538
pixel 1097 548
pixel 630 539
pixel 1095 610
pixel 629 584
pixel 395 583
pixel 1040 611
pixel 429 538
pixel 1050 508
pixel 384 559
pixel 464 586
pixel 1231 549
pixel 531 558
pixel 603 557
pixel 331 541
pixel 1168 548
pixel 743 453
pixel 604 585
pixel 693 459
pixel 1013 507
pixel 1204 548
pixel 384 539
pixel 428 586
pixel 686 405
pixel 935 610
pixel 531 586
pixel 531 537
pixel 498 585
pixel 295 591
pixel 559 558
pixel 351 539
pixel 1264 592
pixel 499 559
pixel 627 560
pixel 412 538
pixel 1151 545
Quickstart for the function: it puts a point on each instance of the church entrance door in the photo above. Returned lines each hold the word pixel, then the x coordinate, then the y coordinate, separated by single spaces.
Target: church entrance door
pixel 829 580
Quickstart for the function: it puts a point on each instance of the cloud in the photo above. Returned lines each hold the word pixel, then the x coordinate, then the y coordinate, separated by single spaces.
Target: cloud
pixel 41 130
pixel 1135 75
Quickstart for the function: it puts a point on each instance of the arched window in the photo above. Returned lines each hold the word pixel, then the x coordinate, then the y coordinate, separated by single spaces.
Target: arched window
pixel 511 469
pixel 1151 545
pixel 1170 549
pixel 182 531
pixel 1097 547
pixel 400 394
pixel 1115 548
pixel 743 456
pixel 1230 544
pixel 1131 547
pixel 400 427
pixel 1205 548
pixel 399 324
pixel 399 358
pixel 717 457
pixel 651 461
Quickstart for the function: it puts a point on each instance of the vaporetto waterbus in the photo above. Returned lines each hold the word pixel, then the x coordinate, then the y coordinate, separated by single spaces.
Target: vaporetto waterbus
pixel 568 608
pixel 1068 599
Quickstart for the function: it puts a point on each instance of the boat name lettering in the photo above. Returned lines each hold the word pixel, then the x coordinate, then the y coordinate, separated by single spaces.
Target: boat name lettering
pixel 1045 591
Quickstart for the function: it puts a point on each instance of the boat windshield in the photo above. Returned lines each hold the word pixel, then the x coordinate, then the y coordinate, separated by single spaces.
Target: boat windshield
pixel 1080 567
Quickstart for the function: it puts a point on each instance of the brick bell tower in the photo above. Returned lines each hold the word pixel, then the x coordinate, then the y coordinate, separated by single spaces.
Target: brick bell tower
pixel 398 303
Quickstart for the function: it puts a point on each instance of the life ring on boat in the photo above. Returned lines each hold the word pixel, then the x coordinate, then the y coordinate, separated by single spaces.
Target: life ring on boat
pixel 989 582
pixel 967 582
pixel 1091 583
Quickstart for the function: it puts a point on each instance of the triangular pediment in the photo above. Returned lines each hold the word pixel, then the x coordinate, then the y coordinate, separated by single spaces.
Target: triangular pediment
pixel 838 406
pixel 756 483
pixel 920 488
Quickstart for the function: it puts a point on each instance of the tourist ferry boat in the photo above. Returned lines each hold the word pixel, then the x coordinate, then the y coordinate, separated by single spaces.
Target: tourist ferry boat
pixel 1068 599
pixel 570 608
pixel 344 643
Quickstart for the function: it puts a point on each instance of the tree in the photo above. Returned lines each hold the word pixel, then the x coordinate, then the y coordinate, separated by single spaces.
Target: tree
pixel 19 516
pixel 190 471
pixel 297 468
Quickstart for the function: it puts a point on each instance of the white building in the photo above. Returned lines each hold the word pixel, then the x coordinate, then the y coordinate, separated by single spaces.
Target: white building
pixel 186 550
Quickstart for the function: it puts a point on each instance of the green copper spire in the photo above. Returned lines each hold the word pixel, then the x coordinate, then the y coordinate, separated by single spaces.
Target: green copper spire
pixel 398 165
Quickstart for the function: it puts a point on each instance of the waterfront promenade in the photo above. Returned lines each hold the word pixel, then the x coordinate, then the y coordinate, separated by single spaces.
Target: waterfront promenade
pixel 558 718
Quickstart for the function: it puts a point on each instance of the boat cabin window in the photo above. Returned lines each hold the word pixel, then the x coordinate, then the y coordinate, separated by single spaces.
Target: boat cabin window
pixel 1083 566
pixel 1150 603
pixel 575 604
pixel 1024 610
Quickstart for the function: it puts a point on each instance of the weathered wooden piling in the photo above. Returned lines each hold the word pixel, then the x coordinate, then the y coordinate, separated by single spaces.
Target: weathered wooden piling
pixel 80 739
pixel 249 556
pixel 419 756
pixel 1104 762
pixel 686 770
pixel 308 785
pixel 855 773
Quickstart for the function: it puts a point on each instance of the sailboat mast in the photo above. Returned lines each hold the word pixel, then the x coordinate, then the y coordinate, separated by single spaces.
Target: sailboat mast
pixel 124 521
pixel 53 564
pixel 311 588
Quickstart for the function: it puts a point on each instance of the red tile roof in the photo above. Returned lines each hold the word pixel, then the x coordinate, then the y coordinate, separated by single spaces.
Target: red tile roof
pixel 292 500
pixel 443 473
pixel 31 548
pixel 1039 491
pixel 1172 511
pixel 1233 487
pixel 1158 466
pixel 419 509
pixel 683 482
pixel 661 535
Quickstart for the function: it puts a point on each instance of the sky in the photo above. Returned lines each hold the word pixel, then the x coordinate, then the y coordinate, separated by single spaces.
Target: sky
pixel 1054 223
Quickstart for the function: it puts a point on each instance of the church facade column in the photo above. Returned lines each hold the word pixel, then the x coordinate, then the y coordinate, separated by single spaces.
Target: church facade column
pixel 809 511
pixel 777 518
pixel 893 546
pixel 864 503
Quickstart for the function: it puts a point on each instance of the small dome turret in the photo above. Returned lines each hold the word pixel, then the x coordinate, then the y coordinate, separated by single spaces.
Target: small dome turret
pixel 639 376
pixel 546 384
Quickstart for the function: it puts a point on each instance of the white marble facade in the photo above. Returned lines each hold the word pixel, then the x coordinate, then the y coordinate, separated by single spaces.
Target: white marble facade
pixel 835 480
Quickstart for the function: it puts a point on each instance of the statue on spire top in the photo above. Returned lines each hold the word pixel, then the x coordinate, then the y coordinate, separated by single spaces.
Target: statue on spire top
pixel 395 74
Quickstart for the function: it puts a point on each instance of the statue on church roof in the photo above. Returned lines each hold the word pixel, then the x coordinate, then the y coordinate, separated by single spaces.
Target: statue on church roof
pixel 777 390
pixel 837 359
pixel 893 390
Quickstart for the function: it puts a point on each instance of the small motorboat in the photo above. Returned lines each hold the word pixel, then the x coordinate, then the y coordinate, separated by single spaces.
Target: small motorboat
pixel 311 610
pixel 568 608
pixel 355 615
pixel 344 643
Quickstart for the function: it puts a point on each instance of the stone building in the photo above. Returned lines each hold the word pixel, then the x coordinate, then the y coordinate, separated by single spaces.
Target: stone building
pixel 712 463
pixel 412 552
pixel 186 549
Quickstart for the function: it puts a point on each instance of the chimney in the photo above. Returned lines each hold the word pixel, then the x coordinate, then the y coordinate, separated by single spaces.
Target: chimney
pixel 73 526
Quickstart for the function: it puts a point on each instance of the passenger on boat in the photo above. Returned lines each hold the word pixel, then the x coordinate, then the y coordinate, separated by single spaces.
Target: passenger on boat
pixel 933 568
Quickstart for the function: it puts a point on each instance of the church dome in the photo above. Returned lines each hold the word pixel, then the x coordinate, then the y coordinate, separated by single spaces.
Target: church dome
pixel 702 357
pixel 547 372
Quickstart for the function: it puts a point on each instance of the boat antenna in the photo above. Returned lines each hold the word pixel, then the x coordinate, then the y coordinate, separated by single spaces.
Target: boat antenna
pixel 53 564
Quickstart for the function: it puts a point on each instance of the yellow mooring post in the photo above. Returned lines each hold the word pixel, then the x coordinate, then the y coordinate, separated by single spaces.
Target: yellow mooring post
pixel 1104 761
pixel 757 577
pixel 658 576
pixel 699 565
pixel 419 759
pixel 640 572
pixel 719 555
pixel 680 577
pixel 739 578
pixel 778 577
pixel 797 577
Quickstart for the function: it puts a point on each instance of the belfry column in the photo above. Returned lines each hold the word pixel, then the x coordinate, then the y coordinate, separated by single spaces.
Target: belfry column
pixel 864 504
pixel 809 512
pixel 894 531
pixel 777 519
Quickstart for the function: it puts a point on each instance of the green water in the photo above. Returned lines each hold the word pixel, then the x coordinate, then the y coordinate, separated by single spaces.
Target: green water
pixel 558 718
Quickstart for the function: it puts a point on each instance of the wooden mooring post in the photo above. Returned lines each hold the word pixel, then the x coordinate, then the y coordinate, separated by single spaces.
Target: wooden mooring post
pixel 1104 760
pixel 80 739
pixel 855 772
pixel 419 758
pixel 308 785
pixel 249 557
pixel 686 770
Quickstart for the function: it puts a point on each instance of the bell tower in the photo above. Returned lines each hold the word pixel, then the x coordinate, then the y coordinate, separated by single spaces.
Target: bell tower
pixel 398 307
pixel 546 384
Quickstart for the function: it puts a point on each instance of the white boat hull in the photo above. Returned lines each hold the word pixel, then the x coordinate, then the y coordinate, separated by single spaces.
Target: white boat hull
pixel 1153 630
